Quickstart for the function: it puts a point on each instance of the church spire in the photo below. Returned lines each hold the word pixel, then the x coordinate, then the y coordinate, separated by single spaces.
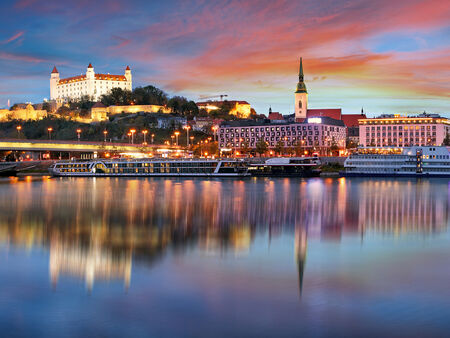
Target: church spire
pixel 300 73
pixel 301 87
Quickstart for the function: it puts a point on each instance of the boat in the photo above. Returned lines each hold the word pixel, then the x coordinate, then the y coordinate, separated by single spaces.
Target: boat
pixel 152 167
pixel 287 166
pixel 416 161
pixel 8 169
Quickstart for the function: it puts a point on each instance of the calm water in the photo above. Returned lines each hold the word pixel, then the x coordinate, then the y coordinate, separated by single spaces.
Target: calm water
pixel 193 257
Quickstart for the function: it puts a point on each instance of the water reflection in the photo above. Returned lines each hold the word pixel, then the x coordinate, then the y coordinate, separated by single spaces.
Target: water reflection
pixel 95 228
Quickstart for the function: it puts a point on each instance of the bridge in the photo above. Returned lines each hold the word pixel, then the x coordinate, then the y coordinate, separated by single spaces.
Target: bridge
pixel 80 146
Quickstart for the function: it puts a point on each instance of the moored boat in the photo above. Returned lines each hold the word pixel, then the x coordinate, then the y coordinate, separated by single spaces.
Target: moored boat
pixel 152 167
pixel 418 161
pixel 287 166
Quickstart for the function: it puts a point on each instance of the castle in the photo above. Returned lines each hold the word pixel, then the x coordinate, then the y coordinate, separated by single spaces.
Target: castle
pixel 91 84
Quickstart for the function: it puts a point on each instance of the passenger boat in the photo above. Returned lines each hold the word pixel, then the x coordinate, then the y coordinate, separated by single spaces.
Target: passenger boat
pixel 152 167
pixel 419 161
pixel 287 166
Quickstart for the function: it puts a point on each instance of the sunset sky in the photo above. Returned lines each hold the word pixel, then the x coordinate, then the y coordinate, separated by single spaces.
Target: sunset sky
pixel 386 56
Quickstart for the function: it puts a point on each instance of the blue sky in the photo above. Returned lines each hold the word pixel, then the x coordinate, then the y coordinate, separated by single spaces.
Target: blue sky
pixel 380 55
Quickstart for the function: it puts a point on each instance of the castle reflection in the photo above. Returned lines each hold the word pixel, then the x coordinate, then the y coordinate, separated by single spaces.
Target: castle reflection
pixel 95 228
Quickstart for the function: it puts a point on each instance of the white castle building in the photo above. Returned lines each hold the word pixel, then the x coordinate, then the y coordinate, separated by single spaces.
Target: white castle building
pixel 92 84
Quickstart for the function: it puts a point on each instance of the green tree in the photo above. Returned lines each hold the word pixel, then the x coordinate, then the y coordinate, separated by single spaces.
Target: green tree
pixel 245 148
pixel 279 147
pixel 261 147
pixel 446 141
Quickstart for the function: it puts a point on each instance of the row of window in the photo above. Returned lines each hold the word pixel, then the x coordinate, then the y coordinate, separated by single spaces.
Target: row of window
pixel 285 128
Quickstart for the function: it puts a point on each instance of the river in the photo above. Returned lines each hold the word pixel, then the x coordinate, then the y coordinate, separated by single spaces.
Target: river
pixel 254 257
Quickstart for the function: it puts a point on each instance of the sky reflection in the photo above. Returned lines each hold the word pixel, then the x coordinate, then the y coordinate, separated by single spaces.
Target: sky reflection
pixel 224 256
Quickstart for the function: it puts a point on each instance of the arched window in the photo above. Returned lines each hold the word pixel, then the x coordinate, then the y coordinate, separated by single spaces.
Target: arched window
pixel 300 104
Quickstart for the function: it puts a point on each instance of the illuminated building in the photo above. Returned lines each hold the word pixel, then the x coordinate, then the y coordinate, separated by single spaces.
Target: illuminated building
pixel 90 84
pixel 241 109
pixel 315 132
pixel 403 131
pixel 27 113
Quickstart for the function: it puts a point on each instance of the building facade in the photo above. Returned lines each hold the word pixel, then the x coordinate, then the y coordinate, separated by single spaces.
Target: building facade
pixel 91 84
pixel 314 133
pixel 403 131
pixel 241 109
pixel 25 114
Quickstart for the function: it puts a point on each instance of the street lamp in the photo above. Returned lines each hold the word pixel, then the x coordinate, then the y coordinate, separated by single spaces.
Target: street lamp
pixel 176 135
pixel 132 131
pixel 144 132
pixel 187 127
pixel 79 134
pixel 105 132
pixel 19 128
pixel 153 137
pixel 129 137
pixel 214 128
pixel 172 137
pixel 49 129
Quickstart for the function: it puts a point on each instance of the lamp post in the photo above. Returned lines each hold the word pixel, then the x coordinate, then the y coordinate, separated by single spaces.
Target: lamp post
pixel 153 138
pixel 214 128
pixel 19 128
pixel 187 127
pixel 132 131
pixel 144 132
pixel 176 136
pixel 79 134
pixel 129 137
pixel 49 129
pixel 172 137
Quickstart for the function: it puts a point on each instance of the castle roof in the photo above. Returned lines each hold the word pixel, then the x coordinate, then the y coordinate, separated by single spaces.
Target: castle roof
pixel 128 68
pixel 54 70
pixel 90 65
pixel 110 77
pixel 72 79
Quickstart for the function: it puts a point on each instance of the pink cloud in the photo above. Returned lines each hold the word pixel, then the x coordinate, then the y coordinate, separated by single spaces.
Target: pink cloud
pixel 14 37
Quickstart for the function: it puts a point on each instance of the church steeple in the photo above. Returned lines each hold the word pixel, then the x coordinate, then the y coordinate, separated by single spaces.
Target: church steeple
pixel 301 87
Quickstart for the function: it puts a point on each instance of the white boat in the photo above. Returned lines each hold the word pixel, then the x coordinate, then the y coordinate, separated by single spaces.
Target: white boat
pixel 152 167
pixel 428 161
pixel 287 166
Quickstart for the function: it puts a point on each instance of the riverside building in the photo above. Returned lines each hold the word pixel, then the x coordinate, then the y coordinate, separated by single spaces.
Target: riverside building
pixel 315 133
pixel 91 84
pixel 403 131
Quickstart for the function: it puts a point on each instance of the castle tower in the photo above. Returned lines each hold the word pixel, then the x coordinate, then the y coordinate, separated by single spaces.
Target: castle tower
pixel 54 79
pixel 128 74
pixel 301 96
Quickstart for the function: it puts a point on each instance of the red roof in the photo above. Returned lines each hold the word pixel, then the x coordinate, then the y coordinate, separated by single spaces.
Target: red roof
pixel 98 105
pixel 54 70
pixel 72 79
pixel 128 68
pixel 110 77
pixel 90 65
pixel 335 113
pixel 275 116
pixel 351 120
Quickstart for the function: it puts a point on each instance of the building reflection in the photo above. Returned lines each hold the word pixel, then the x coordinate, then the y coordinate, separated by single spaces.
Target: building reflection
pixel 95 228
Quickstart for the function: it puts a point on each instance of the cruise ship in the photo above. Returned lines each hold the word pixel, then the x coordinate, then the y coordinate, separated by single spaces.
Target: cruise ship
pixel 152 167
pixel 423 161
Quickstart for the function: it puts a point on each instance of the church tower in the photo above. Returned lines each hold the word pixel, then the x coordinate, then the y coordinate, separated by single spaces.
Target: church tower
pixel 301 96
pixel 54 79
